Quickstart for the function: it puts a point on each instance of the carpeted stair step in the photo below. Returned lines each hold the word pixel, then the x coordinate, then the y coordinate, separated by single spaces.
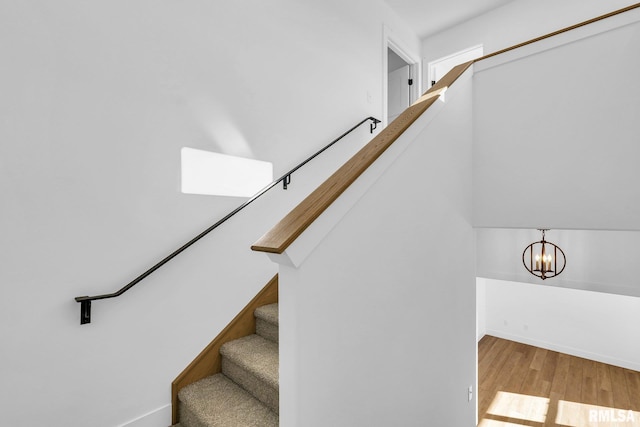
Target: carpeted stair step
pixel 252 362
pixel 267 321
pixel 216 401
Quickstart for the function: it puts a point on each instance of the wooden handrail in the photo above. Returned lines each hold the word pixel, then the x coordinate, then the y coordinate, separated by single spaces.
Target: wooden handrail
pixel 293 224
pixel 564 30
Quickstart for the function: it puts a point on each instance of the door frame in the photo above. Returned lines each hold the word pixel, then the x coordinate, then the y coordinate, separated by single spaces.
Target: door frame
pixel 391 41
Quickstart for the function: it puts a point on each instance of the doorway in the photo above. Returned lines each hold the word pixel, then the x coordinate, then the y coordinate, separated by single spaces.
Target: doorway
pixel 401 83
pixel 398 85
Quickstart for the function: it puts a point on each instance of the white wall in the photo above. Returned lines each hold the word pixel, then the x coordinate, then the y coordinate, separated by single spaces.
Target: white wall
pixel 378 322
pixel 592 325
pixel 97 101
pixel 601 261
pixel 513 23
pixel 555 131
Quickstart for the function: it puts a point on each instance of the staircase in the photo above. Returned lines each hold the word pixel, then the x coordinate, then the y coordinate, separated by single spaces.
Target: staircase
pixel 246 393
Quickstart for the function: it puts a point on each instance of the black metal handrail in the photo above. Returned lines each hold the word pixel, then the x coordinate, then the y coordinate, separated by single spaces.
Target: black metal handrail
pixel 85 302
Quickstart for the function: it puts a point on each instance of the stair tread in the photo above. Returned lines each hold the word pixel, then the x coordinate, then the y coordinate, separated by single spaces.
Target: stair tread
pixel 255 354
pixel 268 313
pixel 216 401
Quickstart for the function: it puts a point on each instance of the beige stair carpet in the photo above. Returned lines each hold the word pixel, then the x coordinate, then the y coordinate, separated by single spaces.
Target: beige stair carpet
pixel 246 393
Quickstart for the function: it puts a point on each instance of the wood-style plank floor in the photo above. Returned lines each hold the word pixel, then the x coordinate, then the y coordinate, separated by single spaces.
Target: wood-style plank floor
pixel 521 385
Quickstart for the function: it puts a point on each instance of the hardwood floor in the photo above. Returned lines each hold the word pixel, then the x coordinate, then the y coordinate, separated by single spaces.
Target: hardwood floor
pixel 521 385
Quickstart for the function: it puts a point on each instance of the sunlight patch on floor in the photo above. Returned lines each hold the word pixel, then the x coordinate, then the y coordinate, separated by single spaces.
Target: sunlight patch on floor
pixel 576 414
pixel 533 410
pixel 520 406
pixel 495 423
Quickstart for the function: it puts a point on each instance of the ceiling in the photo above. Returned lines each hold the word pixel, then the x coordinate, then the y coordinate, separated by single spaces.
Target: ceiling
pixel 428 17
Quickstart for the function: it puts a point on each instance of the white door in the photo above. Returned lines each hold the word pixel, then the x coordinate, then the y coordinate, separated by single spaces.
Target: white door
pixel 398 92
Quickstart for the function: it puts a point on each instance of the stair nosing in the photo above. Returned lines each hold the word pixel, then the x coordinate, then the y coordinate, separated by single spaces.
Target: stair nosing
pixel 245 362
pixel 201 407
pixel 265 313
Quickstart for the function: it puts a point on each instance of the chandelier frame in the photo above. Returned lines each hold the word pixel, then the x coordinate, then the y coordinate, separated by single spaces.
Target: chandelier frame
pixel 546 265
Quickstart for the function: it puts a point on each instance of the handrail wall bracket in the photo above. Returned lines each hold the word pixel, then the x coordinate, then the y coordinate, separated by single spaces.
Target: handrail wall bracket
pixel 373 125
pixel 286 181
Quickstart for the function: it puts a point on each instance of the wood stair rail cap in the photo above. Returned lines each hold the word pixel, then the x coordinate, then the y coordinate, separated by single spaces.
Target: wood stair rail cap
pixel 278 239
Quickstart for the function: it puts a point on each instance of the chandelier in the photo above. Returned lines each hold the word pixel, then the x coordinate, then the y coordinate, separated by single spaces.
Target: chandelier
pixel 545 259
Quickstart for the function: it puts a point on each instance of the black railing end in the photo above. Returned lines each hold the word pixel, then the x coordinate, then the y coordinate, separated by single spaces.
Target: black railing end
pixel 85 309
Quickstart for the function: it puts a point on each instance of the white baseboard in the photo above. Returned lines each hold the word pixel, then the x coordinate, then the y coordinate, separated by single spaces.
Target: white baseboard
pixel 160 417
pixel 567 350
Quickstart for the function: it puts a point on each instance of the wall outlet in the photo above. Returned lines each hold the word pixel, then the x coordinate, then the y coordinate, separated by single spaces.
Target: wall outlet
pixel 470 395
